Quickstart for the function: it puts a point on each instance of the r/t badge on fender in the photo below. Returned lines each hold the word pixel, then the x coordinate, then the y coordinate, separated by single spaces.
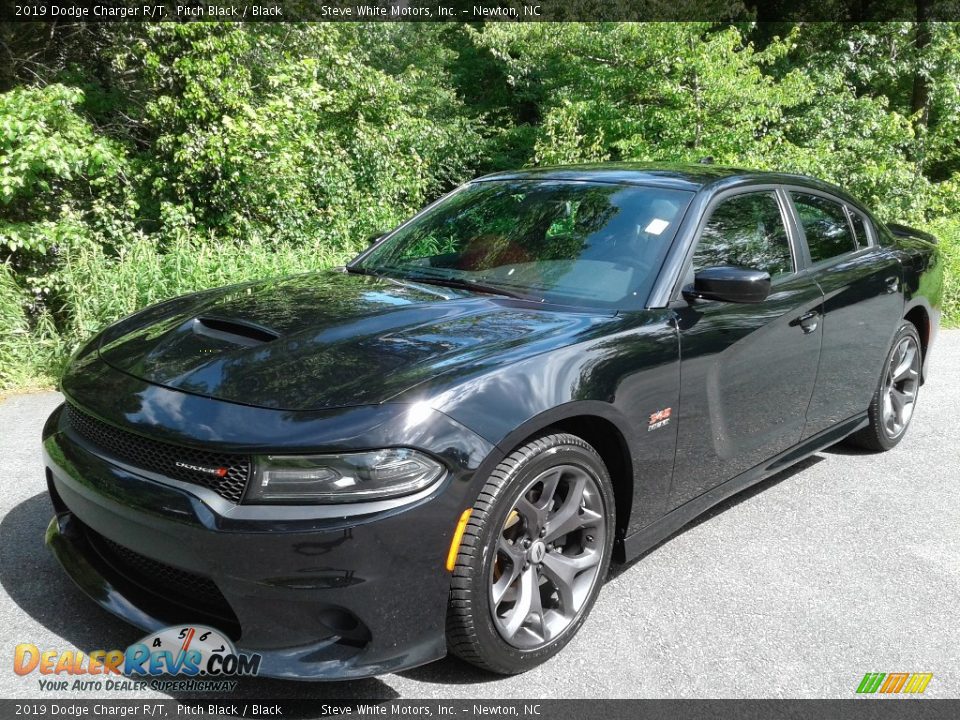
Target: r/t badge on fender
pixel 659 419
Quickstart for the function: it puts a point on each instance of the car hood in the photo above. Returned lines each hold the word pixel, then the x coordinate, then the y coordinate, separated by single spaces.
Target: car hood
pixel 330 339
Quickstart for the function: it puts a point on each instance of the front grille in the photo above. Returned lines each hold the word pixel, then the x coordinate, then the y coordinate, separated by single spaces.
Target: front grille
pixel 182 587
pixel 162 458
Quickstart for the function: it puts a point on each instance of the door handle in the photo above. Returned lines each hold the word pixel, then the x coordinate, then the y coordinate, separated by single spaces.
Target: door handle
pixel 808 321
pixel 893 284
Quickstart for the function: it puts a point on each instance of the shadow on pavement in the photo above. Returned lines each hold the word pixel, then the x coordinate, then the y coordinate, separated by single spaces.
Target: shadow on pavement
pixel 842 448
pixel 451 670
pixel 727 504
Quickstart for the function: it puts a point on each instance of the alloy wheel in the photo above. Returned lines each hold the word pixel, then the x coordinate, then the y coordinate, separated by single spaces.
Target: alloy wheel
pixel 901 382
pixel 548 555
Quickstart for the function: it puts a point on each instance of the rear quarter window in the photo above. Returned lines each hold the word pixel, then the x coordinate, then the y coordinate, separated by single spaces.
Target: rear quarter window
pixel 825 226
pixel 860 229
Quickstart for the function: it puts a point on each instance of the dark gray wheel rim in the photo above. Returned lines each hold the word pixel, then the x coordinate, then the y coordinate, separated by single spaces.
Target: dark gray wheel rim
pixel 901 382
pixel 548 555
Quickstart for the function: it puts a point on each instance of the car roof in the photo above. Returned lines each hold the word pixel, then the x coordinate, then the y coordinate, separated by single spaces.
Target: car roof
pixel 691 177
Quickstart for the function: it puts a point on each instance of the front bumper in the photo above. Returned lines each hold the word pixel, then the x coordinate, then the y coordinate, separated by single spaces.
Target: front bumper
pixel 345 593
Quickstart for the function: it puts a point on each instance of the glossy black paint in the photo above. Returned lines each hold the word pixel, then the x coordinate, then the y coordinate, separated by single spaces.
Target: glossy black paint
pixel 731 284
pixel 368 339
pixel 336 361
pixel 748 374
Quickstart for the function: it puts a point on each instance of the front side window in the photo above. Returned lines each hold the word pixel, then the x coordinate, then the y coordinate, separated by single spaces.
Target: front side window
pixel 576 243
pixel 745 231
pixel 825 225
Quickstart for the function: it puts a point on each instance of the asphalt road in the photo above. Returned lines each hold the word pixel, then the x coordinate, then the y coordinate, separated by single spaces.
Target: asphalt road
pixel 846 564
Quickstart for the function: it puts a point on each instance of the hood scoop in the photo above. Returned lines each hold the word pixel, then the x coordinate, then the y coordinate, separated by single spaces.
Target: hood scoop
pixel 238 332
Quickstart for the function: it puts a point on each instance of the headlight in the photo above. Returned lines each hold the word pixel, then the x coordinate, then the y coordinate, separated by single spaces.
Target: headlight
pixel 344 478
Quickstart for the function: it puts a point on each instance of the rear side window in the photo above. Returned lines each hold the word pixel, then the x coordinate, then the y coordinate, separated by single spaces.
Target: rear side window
pixel 745 231
pixel 860 229
pixel 825 226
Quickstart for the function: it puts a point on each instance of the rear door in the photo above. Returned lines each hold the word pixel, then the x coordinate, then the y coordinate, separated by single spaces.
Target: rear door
pixel 863 303
pixel 747 371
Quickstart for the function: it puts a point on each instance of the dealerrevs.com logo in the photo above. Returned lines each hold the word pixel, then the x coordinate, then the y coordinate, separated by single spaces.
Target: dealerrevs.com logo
pixel 204 657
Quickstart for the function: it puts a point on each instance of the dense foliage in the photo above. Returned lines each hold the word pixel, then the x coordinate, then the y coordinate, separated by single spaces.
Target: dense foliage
pixel 141 161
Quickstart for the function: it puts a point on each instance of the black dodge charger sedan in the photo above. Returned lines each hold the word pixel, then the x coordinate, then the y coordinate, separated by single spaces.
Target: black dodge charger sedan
pixel 443 445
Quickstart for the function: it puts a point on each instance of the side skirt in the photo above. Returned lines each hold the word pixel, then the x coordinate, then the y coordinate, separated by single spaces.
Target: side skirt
pixel 646 538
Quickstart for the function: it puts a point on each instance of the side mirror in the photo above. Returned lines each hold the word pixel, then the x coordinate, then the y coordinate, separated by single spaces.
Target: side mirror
pixel 730 284
pixel 371 239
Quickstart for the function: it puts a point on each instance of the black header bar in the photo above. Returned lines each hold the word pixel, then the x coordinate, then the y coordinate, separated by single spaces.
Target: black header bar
pixel 478 10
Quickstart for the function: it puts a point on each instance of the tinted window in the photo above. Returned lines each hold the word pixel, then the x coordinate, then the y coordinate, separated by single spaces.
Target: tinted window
pixel 860 229
pixel 825 225
pixel 745 231
pixel 594 244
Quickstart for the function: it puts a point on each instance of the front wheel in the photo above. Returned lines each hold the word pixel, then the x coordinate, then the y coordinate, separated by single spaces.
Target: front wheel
pixel 535 552
pixel 896 397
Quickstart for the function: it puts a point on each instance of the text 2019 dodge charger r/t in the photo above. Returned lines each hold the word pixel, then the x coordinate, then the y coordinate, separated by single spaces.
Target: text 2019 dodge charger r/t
pixel 444 444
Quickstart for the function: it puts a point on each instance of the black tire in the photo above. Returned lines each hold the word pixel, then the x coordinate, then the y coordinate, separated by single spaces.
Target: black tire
pixel 471 630
pixel 878 435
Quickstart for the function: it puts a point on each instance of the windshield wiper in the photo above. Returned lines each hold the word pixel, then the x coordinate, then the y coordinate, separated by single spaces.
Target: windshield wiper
pixel 465 284
pixel 357 270
pixel 423 274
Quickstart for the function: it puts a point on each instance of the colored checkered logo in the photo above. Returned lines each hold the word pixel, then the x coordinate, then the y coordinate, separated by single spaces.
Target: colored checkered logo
pixel 914 683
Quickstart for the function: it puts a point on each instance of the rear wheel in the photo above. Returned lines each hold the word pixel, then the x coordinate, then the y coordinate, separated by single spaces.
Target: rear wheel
pixel 536 550
pixel 896 397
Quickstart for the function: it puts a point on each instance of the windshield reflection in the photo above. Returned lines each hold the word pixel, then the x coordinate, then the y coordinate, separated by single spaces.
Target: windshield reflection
pixel 576 243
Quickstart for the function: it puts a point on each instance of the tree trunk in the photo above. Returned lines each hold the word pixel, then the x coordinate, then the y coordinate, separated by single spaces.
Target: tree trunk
pixel 920 100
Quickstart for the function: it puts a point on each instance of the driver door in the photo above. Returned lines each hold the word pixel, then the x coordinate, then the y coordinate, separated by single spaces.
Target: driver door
pixel 747 371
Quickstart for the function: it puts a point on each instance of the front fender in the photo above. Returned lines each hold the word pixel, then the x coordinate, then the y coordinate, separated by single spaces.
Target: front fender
pixel 619 380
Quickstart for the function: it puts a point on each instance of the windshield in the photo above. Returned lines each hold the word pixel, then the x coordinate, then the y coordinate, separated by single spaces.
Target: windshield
pixel 574 243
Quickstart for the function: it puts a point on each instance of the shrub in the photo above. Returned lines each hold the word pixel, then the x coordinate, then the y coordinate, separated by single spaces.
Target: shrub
pixel 948 234
pixel 139 161
pixel 30 353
